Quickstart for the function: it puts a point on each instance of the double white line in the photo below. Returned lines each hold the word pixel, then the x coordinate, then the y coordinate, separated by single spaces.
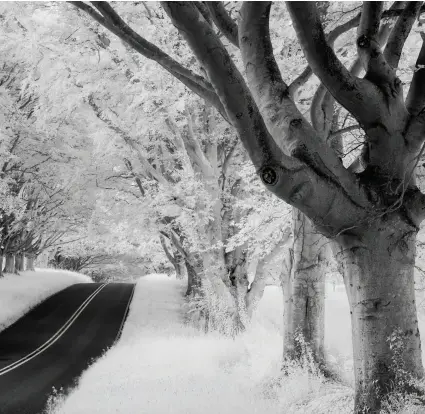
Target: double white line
pixel 55 337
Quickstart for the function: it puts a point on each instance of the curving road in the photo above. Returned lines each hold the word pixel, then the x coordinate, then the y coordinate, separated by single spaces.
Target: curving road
pixel 56 341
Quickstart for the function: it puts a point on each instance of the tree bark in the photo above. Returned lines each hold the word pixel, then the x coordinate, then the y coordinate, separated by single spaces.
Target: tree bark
pixel 9 266
pixel 19 262
pixel 30 262
pixel 379 279
pixel 179 264
pixel 194 268
pixel 304 291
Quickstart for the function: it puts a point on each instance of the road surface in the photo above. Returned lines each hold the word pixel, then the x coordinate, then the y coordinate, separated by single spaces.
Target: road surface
pixel 55 342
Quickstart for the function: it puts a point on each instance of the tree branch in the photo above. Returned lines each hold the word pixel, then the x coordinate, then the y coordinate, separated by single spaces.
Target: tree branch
pixel 415 101
pixel 356 95
pixel 228 157
pixel 194 150
pixel 331 38
pixel 204 10
pixel 290 179
pixel 223 21
pixel 370 19
pixel 299 81
pixel 344 130
pixel 400 33
pixel 259 283
pixel 170 257
pixel 378 71
pixel 150 171
pixel 279 111
pixel 135 176
pixel 113 22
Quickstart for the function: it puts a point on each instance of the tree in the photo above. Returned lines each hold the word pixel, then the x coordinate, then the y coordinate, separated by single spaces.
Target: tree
pixel 41 182
pixel 134 146
pixel 371 216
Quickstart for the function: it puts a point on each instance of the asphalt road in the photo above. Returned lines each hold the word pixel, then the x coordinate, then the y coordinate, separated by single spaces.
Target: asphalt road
pixel 55 342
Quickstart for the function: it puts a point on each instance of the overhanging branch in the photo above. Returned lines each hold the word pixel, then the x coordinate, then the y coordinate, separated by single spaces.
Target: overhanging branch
pixel 223 21
pixel 110 19
pixel 335 33
pixel 278 110
pixel 290 179
pixel 400 33
pixel 415 101
pixel 355 94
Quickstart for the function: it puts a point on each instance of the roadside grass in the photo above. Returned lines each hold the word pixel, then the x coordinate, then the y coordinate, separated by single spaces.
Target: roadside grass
pixel 161 365
pixel 20 293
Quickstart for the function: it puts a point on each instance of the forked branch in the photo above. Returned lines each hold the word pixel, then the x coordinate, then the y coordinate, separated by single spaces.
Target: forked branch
pixel 290 179
pixel 279 111
pixel 352 93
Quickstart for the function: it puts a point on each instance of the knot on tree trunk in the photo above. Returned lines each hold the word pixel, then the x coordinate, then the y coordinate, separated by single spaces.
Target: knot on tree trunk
pixel 363 42
pixel 269 176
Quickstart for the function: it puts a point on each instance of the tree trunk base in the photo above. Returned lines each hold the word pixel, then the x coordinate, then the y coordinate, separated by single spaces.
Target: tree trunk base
pixel 9 266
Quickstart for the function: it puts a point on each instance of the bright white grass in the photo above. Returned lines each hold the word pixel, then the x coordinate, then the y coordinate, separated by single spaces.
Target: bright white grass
pixel 20 293
pixel 162 366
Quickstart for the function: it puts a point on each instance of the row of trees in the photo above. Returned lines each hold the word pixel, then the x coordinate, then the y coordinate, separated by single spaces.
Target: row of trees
pixel 31 214
pixel 337 141
pixel 175 167
pixel 369 210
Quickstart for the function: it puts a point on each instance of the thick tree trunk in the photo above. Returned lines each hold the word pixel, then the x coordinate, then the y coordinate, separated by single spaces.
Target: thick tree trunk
pixel 194 267
pixel 9 266
pixel 30 262
pixel 1 265
pixel 304 292
pixel 19 262
pixel 378 275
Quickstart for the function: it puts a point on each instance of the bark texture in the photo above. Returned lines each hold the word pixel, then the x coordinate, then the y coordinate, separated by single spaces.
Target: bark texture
pixel 9 266
pixel 304 291
pixel 194 267
pixel 378 276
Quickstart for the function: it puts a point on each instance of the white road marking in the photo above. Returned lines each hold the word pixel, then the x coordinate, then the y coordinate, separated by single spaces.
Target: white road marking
pixel 125 315
pixel 55 337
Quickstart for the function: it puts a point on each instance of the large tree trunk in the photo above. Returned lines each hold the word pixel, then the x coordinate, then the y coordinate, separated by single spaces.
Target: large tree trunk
pixel 304 292
pixel 19 262
pixel 30 262
pixel 1 265
pixel 378 275
pixel 9 266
